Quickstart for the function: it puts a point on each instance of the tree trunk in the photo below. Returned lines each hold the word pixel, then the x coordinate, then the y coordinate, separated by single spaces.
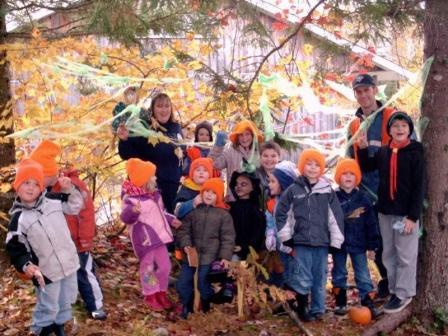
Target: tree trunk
pixel 433 264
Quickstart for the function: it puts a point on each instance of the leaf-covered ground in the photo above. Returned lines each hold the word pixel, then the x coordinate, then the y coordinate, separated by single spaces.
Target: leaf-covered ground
pixel 128 315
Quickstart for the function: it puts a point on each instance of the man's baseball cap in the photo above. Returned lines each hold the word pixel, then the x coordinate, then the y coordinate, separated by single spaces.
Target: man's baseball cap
pixel 363 80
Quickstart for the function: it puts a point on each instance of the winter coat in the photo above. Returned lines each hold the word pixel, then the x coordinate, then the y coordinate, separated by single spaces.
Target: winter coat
pixel 410 179
pixel 361 231
pixel 149 228
pixel 318 216
pixel 210 230
pixel 39 234
pixel 184 199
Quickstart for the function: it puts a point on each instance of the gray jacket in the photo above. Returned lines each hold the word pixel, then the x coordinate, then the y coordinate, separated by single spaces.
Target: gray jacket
pixel 318 217
pixel 39 234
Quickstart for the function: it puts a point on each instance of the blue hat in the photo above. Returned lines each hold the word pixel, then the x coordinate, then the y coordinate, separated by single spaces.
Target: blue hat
pixel 363 80
pixel 285 172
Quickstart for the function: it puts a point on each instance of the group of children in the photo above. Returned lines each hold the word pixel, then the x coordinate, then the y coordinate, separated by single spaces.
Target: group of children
pixel 279 206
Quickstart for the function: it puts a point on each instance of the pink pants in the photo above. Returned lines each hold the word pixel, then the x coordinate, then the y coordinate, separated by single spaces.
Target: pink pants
pixel 155 270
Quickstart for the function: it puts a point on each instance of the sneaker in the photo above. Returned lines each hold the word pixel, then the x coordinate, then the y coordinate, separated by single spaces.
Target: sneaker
pixel 98 314
pixel 391 301
pixel 396 305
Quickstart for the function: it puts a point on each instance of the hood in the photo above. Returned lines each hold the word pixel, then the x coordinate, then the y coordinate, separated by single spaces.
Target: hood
pixel 256 192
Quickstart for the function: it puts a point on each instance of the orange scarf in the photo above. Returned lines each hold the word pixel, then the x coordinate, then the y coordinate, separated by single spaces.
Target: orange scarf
pixel 394 166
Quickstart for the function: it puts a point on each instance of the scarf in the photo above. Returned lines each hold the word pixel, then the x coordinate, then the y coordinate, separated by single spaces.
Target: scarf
pixel 394 166
pixel 128 188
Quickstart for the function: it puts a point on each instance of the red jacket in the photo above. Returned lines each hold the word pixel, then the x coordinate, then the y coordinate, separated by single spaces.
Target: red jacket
pixel 82 226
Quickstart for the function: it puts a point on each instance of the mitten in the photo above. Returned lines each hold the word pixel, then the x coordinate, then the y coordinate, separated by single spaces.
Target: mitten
pixel 221 138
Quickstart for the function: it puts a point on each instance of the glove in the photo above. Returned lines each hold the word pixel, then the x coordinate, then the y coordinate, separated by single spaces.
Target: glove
pixel 271 241
pixel 289 243
pixel 221 139
pixel 285 249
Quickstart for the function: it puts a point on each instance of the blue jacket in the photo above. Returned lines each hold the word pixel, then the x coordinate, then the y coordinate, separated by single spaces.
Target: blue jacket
pixel 361 231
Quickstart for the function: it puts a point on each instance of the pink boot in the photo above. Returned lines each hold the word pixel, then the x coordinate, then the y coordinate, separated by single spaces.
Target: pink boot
pixel 153 303
pixel 162 298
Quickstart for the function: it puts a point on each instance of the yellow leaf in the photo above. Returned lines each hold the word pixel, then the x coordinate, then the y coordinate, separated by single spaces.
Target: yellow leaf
pixel 5 187
pixel 195 65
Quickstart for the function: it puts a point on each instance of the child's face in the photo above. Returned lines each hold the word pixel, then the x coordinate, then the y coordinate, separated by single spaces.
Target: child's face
pixel 50 180
pixel 311 170
pixel 274 186
pixel 243 187
pixel 203 135
pixel 200 175
pixel 162 110
pixel 28 191
pixel 245 139
pixel 399 130
pixel 269 158
pixel 347 181
pixel 209 197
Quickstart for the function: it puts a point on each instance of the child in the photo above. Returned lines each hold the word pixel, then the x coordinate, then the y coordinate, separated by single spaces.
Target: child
pixel 242 152
pixel 319 223
pixel 130 96
pixel 149 231
pixel 281 177
pixel 39 244
pixel 361 234
pixel 248 218
pixel 270 154
pixel 400 198
pixel 188 196
pixel 82 226
pixel 209 230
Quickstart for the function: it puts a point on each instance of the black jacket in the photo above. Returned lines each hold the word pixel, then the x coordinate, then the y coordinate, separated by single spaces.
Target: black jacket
pixel 410 179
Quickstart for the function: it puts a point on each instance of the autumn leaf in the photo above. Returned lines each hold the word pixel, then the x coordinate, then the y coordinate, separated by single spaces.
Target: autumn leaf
pixel 279 26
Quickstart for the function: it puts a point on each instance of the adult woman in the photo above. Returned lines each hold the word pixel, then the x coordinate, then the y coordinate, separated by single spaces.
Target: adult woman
pixel 166 156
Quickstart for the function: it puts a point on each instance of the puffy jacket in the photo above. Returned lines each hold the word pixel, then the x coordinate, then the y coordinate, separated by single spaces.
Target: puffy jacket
pixel 361 231
pixel 318 216
pixel 210 230
pixel 39 234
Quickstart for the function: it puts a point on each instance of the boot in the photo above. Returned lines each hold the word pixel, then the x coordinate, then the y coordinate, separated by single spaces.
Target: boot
pixel 162 298
pixel 45 331
pixel 153 304
pixel 302 308
pixel 367 301
pixel 205 305
pixel 58 329
pixel 340 294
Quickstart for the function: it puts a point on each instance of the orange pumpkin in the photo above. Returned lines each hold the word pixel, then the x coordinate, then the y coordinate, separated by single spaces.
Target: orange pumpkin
pixel 361 315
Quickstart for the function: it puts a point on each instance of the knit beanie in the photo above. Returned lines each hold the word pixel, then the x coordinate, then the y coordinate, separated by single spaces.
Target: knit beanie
pixel 46 154
pixel 285 172
pixel 347 166
pixel 217 186
pixel 400 115
pixel 311 154
pixel 207 163
pixel 207 126
pixel 139 171
pixel 29 169
pixel 243 126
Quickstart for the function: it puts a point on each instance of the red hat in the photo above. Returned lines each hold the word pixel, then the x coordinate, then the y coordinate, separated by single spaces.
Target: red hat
pixel 241 127
pixel 217 186
pixel 46 154
pixel 207 163
pixel 139 171
pixel 29 169
pixel 345 166
pixel 311 154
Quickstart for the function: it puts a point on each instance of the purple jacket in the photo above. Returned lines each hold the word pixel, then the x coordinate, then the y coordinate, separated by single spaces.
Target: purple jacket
pixel 150 228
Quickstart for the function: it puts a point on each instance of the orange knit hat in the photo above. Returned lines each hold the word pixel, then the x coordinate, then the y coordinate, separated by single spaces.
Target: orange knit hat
pixel 241 127
pixel 46 154
pixel 311 154
pixel 345 166
pixel 207 163
pixel 29 169
pixel 217 186
pixel 139 171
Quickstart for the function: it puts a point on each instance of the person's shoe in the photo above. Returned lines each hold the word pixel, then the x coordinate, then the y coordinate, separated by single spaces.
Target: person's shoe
pixel 391 301
pixel 383 289
pixel 302 308
pixel 58 329
pixel 45 331
pixel 98 314
pixel 317 316
pixel 397 305
pixel 153 304
pixel 205 306
pixel 186 310
pixel 162 298
pixel 368 302
pixel 340 295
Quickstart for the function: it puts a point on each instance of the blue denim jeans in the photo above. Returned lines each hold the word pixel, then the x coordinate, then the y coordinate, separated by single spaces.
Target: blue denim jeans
pixel 360 268
pixel 309 274
pixel 54 303
pixel 185 283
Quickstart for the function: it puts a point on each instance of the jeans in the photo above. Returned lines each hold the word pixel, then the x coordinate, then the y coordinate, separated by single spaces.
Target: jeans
pixel 309 274
pixel 54 303
pixel 360 268
pixel 185 283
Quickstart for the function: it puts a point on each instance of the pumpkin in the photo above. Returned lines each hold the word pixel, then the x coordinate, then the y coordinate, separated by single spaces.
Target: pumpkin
pixel 360 315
